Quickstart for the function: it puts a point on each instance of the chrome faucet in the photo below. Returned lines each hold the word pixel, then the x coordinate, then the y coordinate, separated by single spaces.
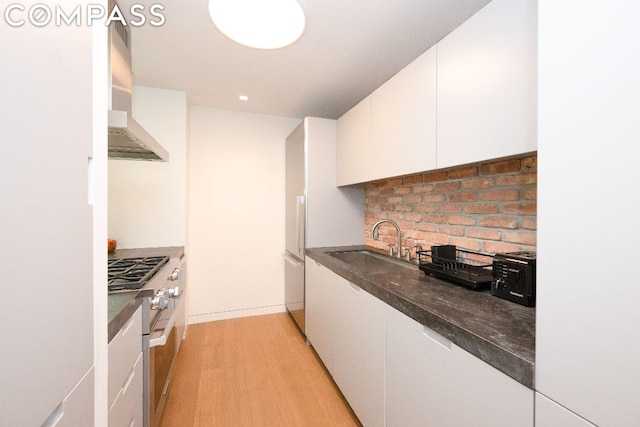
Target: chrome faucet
pixel 375 234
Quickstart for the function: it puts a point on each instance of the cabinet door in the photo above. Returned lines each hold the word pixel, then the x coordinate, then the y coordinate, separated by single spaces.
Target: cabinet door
pixel 319 308
pixel 550 414
pixel 418 372
pixel 47 217
pixel 124 350
pixel 403 120
pixel 358 353
pixel 587 340
pixel 490 397
pixel 127 407
pixel 487 91
pixel 77 408
pixel 353 154
pixel 431 381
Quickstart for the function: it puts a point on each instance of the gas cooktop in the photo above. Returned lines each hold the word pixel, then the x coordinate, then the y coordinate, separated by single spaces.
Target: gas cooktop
pixel 133 273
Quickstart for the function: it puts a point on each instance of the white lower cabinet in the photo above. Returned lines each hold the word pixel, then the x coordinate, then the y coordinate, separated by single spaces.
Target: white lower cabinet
pixel 396 372
pixel 345 325
pixel 125 374
pixel 320 285
pixel 358 352
pixel 550 414
pixel 127 408
pixel 77 409
pixel 431 381
pixel 418 373
pixel 483 396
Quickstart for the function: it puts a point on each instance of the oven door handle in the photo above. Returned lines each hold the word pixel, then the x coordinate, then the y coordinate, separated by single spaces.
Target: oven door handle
pixel 156 341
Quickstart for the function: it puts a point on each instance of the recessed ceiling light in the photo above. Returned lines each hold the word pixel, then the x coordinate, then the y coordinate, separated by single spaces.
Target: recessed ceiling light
pixel 261 24
pixel 243 98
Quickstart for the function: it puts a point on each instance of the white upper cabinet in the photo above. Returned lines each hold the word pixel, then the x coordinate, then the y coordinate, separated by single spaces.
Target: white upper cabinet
pixel 403 120
pixel 392 132
pixel 470 98
pixel 353 154
pixel 487 91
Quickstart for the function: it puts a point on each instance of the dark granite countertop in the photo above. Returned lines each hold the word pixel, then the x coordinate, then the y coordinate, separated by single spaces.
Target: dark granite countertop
pixel 123 304
pixel 499 332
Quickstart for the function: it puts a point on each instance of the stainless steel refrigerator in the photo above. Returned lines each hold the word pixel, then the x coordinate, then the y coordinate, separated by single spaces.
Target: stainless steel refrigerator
pixel 295 210
pixel 318 213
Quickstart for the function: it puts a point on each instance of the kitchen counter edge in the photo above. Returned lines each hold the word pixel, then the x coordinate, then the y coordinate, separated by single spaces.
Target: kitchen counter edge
pixel 509 354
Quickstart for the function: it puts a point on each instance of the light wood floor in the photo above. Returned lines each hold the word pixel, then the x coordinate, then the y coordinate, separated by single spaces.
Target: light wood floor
pixel 252 371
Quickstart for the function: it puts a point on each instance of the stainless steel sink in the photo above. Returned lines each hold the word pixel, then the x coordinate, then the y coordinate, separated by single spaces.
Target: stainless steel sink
pixel 371 262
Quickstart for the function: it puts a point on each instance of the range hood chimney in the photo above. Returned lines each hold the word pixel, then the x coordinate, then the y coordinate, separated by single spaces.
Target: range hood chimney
pixel 127 138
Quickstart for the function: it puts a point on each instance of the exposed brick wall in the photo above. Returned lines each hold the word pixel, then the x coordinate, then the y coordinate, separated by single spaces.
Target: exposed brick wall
pixel 489 207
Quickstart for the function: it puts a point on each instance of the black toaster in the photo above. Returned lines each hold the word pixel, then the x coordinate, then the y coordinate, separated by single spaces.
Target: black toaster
pixel 514 277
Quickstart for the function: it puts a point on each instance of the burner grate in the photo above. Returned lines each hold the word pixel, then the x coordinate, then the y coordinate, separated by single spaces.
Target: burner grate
pixel 133 273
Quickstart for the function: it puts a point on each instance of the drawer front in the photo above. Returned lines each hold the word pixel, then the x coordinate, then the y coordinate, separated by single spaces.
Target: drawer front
pixel 126 410
pixel 124 350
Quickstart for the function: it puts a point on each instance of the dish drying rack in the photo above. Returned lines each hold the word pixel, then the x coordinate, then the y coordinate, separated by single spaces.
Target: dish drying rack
pixel 468 268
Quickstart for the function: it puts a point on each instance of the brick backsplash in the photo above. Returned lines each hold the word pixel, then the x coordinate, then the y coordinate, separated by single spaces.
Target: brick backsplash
pixel 488 207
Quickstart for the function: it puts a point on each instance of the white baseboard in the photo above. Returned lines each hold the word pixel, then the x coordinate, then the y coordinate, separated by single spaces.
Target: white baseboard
pixel 232 314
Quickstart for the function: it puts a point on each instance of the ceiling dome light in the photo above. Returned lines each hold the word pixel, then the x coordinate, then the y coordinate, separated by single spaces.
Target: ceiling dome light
pixel 261 24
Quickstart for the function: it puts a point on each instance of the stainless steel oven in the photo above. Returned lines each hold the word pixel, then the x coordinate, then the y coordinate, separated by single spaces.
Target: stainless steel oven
pixel 162 285
pixel 163 344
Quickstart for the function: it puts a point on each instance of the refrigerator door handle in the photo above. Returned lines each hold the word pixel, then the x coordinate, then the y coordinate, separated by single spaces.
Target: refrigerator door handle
pixel 299 226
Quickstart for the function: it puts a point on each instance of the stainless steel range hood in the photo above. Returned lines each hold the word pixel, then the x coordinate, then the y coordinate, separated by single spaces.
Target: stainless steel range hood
pixel 127 138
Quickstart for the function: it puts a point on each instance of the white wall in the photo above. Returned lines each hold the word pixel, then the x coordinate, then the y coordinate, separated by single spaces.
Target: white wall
pixel 147 200
pixel 236 181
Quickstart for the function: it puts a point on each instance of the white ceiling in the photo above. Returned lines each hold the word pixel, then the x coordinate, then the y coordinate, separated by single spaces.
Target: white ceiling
pixel 349 48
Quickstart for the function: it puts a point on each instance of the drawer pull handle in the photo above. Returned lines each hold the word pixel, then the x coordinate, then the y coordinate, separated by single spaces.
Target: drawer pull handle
pixel 436 337
pixel 128 325
pixel 354 287
pixel 55 417
pixel 127 383
pixel 291 260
